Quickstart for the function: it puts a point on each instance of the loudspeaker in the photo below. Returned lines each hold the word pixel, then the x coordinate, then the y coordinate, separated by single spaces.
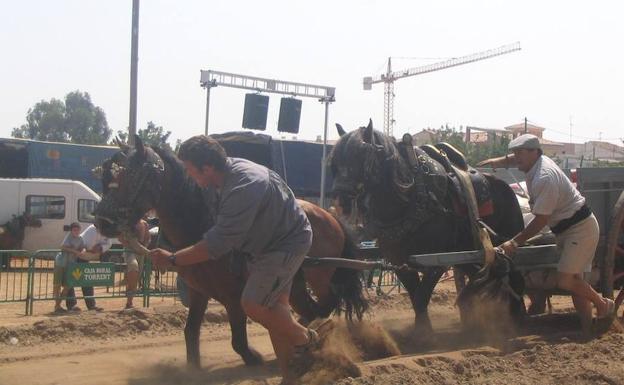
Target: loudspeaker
pixel 255 113
pixel 289 116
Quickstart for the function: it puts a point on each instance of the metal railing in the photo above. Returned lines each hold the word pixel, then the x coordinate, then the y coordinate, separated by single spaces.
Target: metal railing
pixel 29 277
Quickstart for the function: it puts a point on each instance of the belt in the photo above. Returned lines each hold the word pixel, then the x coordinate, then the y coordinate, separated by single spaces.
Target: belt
pixel 578 216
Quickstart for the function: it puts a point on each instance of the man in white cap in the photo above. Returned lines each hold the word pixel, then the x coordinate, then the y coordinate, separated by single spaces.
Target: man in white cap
pixel 557 203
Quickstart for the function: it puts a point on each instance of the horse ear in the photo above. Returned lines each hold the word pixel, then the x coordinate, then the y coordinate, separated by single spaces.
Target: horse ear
pixel 138 145
pixel 369 136
pixel 121 144
pixel 341 131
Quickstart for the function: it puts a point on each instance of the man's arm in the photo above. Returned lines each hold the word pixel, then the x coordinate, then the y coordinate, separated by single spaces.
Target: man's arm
pixel 506 161
pixel 196 253
pixel 531 230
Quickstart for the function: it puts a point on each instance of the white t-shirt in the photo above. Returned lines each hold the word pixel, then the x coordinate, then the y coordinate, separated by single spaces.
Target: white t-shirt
pixel 92 237
pixel 551 192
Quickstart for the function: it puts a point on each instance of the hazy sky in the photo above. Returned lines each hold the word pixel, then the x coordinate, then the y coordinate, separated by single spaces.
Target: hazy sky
pixel 570 68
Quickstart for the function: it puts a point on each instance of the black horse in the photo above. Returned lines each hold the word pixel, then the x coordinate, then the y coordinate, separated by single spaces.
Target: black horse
pixel 411 209
pixel 138 179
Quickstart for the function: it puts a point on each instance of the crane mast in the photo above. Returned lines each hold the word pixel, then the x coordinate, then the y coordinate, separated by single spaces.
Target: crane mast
pixel 389 77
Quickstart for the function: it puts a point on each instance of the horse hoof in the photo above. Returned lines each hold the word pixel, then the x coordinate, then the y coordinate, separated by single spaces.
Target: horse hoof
pixel 253 358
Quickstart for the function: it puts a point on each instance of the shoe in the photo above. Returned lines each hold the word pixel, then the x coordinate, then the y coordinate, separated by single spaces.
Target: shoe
pixel 313 342
pixel 74 309
pixel 128 307
pixel 60 310
pixel 96 308
pixel 610 309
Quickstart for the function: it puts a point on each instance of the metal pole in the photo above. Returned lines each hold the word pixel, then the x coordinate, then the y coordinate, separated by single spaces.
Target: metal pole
pixel 324 159
pixel 207 108
pixel 134 59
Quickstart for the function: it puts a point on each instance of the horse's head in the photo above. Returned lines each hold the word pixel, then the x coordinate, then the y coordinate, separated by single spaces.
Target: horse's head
pixel 131 181
pixel 356 162
pixel 27 220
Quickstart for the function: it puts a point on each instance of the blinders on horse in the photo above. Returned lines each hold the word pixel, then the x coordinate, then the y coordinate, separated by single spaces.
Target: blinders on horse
pixel 130 191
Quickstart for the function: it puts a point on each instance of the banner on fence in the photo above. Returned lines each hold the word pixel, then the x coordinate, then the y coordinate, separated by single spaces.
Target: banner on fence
pixel 90 274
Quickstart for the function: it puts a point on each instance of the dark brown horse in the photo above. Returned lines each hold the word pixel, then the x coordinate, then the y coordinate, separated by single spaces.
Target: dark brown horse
pixel 411 210
pixel 12 232
pixel 142 178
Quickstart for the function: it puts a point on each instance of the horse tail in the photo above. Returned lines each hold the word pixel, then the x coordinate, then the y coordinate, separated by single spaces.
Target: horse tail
pixel 347 284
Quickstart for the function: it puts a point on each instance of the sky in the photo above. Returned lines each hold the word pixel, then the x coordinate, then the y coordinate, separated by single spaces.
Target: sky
pixel 568 77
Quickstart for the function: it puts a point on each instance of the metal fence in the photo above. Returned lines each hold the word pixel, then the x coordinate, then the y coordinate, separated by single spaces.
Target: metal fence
pixel 29 278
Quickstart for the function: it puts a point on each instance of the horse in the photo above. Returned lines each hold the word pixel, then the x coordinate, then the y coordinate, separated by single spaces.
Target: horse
pixel 411 210
pixel 12 232
pixel 142 178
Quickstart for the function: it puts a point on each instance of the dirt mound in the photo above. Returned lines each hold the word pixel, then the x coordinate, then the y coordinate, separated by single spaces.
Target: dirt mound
pixel 104 325
pixel 600 361
pixel 344 344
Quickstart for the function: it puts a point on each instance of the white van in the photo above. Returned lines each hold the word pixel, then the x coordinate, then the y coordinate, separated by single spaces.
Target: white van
pixel 56 202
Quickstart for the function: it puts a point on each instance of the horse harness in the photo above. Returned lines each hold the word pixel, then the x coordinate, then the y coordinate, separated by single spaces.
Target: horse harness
pixel 140 178
pixel 428 196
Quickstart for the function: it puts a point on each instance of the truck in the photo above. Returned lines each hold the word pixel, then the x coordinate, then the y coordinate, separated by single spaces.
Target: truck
pixel 55 202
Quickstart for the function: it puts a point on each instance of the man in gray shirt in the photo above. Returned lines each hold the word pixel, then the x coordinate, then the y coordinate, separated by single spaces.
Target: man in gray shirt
pixel 557 203
pixel 258 215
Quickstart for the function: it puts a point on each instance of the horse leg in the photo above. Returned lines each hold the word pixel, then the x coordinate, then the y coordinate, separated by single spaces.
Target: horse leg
pixel 411 281
pixel 197 308
pixel 320 281
pixel 422 296
pixel 238 326
pixel 301 301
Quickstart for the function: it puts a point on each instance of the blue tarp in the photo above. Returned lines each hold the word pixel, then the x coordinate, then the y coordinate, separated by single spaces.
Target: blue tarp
pixel 59 160
pixel 299 163
pixel 67 161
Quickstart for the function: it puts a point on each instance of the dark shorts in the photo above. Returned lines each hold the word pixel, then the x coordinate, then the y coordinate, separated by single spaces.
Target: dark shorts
pixel 271 275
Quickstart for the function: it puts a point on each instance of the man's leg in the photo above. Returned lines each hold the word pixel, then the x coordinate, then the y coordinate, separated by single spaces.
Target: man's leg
pixel 284 330
pixel 56 293
pixel 71 301
pixel 580 288
pixel 88 292
pixel 584 309
pixel 132 277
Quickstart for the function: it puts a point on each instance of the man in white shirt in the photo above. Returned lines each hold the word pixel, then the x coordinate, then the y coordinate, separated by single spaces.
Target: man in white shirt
pixel 557 203
pixel 96 245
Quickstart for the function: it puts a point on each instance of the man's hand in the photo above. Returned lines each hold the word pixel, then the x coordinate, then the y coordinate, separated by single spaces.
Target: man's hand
pixel 509 247
pixel 160 258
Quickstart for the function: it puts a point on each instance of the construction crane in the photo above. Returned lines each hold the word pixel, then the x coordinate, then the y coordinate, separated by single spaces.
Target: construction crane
pixel 389 77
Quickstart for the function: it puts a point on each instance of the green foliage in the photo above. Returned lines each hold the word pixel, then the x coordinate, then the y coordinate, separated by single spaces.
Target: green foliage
pixel 152 135
pixel 75 120
pixel 474 152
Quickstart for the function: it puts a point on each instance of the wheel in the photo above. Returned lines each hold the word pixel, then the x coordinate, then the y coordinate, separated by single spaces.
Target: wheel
pixel 614 252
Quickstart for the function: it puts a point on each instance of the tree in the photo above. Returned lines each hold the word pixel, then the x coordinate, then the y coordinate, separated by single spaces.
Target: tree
pixel 153 135
pixel 76 120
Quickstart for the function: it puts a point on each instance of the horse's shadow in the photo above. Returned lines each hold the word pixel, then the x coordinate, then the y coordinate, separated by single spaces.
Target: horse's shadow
pixel 166 374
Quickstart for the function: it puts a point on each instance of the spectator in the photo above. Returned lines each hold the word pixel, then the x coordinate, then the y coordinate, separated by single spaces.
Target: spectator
pixel 96 245
pixel 134 262
pixel 73 245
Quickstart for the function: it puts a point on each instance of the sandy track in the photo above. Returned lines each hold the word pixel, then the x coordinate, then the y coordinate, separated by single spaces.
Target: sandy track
pixel 147 347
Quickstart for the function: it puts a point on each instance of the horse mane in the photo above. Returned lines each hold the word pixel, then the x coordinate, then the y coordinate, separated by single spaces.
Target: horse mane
pixel 355 146
pixel 183 198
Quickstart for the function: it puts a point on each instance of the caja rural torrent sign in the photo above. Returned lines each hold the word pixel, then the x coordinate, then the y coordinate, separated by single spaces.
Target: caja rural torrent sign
pixel 90 274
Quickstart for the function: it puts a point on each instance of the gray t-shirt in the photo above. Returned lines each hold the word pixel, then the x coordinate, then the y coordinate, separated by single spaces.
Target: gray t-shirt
pixel 77 243
pixel 551 192
pixel 257 213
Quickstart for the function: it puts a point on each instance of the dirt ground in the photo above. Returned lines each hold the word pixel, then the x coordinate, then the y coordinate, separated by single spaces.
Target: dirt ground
pixel 146 346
